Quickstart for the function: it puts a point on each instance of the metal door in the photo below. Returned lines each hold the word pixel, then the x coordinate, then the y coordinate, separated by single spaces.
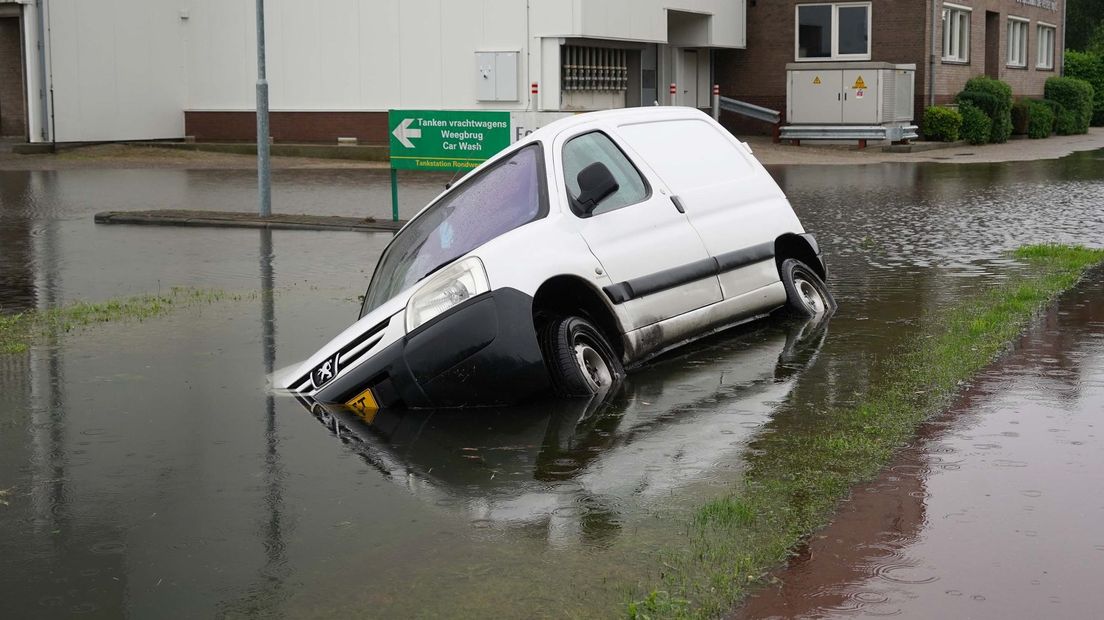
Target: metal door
pixel 815 96
pixel 860 96
pixel 688 79
pixel 657 263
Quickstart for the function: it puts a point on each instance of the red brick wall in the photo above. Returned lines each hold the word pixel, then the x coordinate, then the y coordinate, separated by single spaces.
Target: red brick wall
pixel 13 115
pixel 366 127
pixel 758 74
pixel 1025 82
pixel 899 34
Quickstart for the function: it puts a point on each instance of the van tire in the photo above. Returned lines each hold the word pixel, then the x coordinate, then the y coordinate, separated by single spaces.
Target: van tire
pixel 806 294
pixel 580 360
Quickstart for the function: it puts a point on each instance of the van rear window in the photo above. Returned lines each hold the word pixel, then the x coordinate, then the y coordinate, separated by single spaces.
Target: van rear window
pixel 712 157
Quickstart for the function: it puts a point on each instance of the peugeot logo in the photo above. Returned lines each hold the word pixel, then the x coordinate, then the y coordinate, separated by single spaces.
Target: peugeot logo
pixel 325 371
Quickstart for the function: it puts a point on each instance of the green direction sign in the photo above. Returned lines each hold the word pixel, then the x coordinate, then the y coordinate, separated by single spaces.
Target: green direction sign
pixel 445 139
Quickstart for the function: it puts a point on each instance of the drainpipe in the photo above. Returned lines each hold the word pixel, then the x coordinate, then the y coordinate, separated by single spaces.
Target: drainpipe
pixel 1062 58
pixel 44 108
pixel 931 56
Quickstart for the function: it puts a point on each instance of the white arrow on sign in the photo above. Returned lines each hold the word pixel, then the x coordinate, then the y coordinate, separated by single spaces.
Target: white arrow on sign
pixel 404 133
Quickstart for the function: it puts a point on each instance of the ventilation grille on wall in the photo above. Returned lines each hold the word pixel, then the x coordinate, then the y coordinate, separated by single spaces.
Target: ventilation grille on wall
pixel 594 68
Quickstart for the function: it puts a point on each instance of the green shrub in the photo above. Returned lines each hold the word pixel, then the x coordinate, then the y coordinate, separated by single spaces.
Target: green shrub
pixel 1076 96
pixel 997 105
pixel 942 124
pixel 1054 106
pixel 1089 67
pixel 1021 117
pixel 1040 122
pixel 1067 123
pixel 976 125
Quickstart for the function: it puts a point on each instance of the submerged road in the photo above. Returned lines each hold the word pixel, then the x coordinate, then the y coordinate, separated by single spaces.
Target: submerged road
pixel 994 512
pixel 145 469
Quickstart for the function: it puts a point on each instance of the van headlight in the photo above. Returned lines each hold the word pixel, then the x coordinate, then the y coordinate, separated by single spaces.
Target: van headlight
pixel 447 289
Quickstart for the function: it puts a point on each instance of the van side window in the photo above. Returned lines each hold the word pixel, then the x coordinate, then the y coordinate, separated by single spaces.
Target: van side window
pixel 586 149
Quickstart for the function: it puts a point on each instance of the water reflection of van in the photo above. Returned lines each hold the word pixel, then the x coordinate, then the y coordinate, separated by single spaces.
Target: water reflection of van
pixel 578 466
pixel 596 243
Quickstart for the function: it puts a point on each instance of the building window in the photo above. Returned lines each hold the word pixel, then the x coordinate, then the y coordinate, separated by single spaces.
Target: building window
pixel 1017 42
pixel 956 33
pixel 833 31
pixel 1045 43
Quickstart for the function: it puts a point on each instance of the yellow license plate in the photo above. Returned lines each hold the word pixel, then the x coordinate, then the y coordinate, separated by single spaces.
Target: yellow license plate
pixel 364 404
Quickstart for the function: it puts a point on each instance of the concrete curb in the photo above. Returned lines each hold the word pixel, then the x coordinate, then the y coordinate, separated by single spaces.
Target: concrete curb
pixel 358 152
pixel 233 219
pixel 920 147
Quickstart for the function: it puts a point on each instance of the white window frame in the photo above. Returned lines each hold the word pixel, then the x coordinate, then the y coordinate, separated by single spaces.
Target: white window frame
pixel 955 36
pixel 1017 57
pixel 836 56
pixel 1044 54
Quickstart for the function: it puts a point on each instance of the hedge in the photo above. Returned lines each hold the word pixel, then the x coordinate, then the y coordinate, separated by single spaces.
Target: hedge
pixel 1076 96
pixel 1089 67
pixel 1041 119
pixel 1021 117
pixel 1032 117
pixel 976 125
pixel 942 124
pixel 994 97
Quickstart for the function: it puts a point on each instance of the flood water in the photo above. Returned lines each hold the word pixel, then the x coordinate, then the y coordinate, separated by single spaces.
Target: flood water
pixel 995 512
pixel 147 471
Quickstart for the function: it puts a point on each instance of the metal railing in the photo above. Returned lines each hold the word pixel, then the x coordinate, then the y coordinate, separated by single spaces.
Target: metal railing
pixel 746 109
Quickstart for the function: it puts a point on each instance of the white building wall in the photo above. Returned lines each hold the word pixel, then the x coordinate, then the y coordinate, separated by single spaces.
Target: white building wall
pixel 635 20
pixel 352 54
pixel 127 69
pixel 116 69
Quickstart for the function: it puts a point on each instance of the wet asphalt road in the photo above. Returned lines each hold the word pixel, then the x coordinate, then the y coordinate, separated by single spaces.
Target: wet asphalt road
pixel 148 472
pixel 994 512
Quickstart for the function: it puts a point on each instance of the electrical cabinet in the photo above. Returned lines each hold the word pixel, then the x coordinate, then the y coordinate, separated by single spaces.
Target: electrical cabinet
pixel 851 93
pixel 496 76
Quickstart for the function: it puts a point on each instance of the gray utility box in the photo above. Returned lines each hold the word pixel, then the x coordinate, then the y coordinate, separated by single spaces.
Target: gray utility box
pixel 849 93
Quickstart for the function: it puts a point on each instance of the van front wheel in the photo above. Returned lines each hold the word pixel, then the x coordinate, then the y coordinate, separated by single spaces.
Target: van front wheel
pixel 580 360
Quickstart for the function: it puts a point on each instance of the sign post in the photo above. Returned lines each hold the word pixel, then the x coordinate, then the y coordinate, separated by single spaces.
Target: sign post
pixel 443 140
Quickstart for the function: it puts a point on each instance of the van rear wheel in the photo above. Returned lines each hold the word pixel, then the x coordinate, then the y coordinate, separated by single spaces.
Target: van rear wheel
pixel 580 360
pixel 806 293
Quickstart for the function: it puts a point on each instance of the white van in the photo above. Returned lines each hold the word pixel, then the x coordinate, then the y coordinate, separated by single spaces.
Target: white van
pixel 596 243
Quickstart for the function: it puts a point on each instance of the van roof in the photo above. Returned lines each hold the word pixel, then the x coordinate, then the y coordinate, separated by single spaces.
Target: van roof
pixel 619 116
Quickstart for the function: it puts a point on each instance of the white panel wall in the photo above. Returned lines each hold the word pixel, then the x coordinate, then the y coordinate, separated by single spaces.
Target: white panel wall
pixel 646 20
pixel 221 58
pixel 127 69
pixel 117 69
pixel 352 54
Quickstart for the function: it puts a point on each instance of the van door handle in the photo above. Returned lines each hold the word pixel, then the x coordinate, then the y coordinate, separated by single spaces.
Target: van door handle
pixel 678 204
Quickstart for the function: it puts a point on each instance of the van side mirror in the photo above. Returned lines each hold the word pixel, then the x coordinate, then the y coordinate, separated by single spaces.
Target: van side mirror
pixel 596 183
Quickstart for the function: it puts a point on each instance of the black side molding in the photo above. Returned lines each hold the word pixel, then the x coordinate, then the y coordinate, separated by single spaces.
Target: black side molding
pixel 677 276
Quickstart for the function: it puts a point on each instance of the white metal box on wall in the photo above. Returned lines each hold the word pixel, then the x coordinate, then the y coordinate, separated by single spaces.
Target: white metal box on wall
pixel 496 76
pixel 849 93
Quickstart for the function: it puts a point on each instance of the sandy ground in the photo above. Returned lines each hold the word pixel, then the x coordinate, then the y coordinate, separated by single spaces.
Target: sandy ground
pixel 123 156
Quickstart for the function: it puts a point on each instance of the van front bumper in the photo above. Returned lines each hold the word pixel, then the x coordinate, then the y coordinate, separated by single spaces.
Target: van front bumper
pixel 483 352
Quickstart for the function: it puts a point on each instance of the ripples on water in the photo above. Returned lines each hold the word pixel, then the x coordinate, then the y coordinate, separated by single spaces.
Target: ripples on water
pixel 155 454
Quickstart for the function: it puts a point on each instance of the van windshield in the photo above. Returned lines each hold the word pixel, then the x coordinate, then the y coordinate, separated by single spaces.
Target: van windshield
pixel 495 202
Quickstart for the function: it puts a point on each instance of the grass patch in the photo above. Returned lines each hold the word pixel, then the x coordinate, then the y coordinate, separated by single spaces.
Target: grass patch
pixel 795 479
pixel 19 331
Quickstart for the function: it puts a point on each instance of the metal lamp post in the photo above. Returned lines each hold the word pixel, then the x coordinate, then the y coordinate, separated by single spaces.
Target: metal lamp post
pixel 264 174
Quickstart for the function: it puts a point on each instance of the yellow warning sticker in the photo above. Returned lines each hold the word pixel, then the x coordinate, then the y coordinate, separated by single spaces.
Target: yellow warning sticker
pixel 816 80
pixel 859 83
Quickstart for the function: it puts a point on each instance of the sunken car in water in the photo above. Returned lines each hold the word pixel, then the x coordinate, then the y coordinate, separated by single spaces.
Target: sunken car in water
pixel 591 246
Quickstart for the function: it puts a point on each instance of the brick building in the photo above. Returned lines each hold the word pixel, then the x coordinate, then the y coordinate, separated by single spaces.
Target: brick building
pixel 13 116
pixel 1018 41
